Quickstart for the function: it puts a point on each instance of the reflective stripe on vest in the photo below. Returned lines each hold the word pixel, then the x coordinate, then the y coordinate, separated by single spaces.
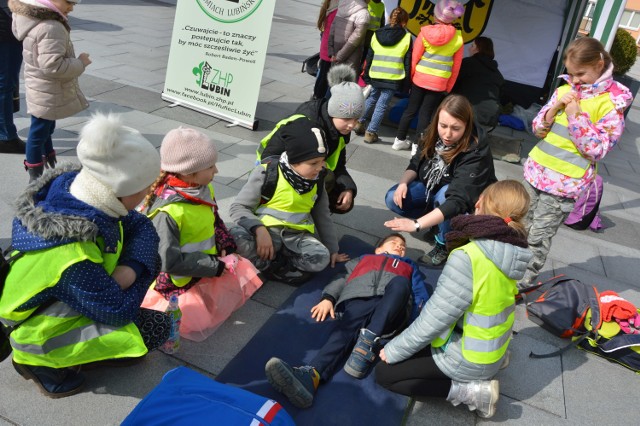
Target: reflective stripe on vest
pixel 438 60
pixel 376 10
pixel 59 337
pixel 332 160
pixel 388 61
pixel 487 324
pixel 196 224
pixel 557 151
pixel 288 208
pixel 266 139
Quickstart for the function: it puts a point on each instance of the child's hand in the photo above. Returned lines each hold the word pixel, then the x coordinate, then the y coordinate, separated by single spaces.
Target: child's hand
pixel 320 311
pixel 345 200
pixel 382 355
pixel 338 257
pixel 230 263
pixel 572 108
pixel 124 275
pixel 264 245
pixel 84 58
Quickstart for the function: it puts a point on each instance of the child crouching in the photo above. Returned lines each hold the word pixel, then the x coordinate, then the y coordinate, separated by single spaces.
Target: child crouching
pixel 195 245
pixel 278 209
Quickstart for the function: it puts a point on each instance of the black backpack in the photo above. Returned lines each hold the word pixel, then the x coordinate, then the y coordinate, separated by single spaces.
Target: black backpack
pixel 561 307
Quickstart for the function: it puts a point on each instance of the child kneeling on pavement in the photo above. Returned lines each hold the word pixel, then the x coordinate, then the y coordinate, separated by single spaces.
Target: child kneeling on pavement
pixel 275 228
pixel 372 299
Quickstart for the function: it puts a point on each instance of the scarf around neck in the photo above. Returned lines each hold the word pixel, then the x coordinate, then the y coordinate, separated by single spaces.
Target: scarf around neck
pixel 468 227
pixel 300 184
pixel 437 167
pixel 195 193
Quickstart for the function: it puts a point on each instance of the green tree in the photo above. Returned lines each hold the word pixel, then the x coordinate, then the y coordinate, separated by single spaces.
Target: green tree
pixel 623 52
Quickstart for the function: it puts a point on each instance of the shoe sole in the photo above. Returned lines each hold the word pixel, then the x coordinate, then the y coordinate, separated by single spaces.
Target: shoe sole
pixel 353 372
pixel 283 380
pixel 403 148
pixel 28 375
pixel 495 395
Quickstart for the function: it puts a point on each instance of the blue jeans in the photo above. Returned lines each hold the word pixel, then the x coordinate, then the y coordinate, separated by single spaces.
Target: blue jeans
pixel 378 99
pixel 10 62
pixel 39 143
pixel 416 204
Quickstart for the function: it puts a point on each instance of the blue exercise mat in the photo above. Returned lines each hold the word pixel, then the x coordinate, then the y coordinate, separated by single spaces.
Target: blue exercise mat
pixel 291 334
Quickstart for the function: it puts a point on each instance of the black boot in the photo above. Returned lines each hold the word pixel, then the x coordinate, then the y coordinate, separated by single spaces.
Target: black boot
pixel 35 170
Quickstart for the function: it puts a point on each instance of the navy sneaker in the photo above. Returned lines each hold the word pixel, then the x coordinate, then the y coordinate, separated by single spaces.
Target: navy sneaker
pixel 282 271
pixel 53 382
pixel 436 257
pixel 298 384
pixel 363 355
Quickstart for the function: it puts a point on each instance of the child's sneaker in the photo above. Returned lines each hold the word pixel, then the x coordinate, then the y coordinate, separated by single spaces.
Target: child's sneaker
pixel 400 145
pixel 359 128
pixel 480 395
pixel 414 149
pixel 436 257
pixel 298 384
pixel 363 355
pixel 370 137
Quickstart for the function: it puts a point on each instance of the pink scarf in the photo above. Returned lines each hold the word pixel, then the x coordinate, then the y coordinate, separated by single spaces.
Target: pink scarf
pixel 47 4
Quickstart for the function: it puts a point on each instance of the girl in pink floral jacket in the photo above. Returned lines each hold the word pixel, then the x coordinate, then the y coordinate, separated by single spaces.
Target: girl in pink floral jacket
pixel 579 125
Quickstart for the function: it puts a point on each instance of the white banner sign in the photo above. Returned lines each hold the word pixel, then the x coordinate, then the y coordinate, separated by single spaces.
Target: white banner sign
pixel 217 55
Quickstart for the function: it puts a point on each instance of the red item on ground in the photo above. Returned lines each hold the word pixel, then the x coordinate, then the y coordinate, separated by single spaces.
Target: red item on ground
pixel 613 306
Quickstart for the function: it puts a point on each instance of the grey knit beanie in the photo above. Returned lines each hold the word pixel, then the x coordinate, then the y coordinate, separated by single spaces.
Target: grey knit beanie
pixel 347 101
pixel 186 151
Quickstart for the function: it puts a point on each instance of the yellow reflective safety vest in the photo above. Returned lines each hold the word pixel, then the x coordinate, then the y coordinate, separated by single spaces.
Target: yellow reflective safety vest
pixel 332 157
pixel 196 223
pixel 59 336
pixel 288 208
pixel 376 12
pixel 557 151
pixel 266 139
pixel 388 61
pixel 438 60
pixel 487 324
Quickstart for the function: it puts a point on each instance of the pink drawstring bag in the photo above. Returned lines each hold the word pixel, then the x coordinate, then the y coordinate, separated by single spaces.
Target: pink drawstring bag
pixel 206 305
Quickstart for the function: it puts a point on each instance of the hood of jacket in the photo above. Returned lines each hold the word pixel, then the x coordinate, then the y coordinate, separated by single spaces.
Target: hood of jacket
pixel 486 61
pixel 390 36
pixel 47 215
pixel 28 16
pixel 347 8
pixel 510 259
pixel 438 34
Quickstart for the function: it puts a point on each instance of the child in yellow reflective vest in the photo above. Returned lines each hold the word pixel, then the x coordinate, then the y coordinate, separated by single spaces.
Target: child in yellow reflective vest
pixel 459 342
pixel 198 257
pixel 276 231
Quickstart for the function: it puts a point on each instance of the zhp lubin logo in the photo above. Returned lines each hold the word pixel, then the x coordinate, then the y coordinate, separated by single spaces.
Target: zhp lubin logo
pixel 229 10
pixel 213 79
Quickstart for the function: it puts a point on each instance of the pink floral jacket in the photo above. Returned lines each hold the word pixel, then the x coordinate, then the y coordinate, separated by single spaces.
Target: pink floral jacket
pixel 593 140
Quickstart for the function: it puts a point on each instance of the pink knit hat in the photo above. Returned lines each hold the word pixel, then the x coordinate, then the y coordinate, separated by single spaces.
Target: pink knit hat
pixel 447 11
pixel 185 151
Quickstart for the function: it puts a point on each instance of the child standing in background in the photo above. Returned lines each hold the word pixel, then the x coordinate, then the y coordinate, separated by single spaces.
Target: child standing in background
pixel 349 28
pixel 579 125
pixel 459 342
pixel 275 230
pixel 436 58
pixel 51 73
pixel 326 16
pixel 388 70
pixel 376 21
pixel 196 248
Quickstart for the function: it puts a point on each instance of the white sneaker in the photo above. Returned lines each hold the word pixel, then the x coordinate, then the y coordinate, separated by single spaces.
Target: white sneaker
pixel 400 145
pixel 414 149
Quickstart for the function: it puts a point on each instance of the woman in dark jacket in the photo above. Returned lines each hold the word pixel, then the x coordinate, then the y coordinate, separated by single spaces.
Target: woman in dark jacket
pixel 10 63
pixel 444 178
pixel 481 81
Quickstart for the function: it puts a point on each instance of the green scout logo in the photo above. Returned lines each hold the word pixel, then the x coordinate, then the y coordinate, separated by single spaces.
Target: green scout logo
pixel 228 11
pixel 472 23
pixel 213 79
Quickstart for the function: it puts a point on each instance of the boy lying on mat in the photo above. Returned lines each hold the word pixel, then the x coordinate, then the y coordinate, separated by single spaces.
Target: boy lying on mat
pixel 373 298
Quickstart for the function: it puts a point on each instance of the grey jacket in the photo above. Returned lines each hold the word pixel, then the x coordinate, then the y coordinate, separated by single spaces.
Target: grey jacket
pixel 452 297
pixel 248 199
pixel 349 28
pixel 51 69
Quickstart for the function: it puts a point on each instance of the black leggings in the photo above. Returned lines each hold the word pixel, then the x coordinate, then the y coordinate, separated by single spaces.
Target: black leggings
pixel 418 376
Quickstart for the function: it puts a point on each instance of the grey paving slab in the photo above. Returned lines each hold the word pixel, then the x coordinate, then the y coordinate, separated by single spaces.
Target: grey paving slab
pixel 92 86
pixel 138 99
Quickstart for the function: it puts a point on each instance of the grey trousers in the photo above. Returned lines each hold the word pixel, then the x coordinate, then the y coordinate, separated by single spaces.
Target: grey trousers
pixel 303 250
pixel 546 213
